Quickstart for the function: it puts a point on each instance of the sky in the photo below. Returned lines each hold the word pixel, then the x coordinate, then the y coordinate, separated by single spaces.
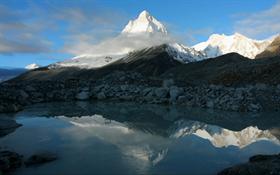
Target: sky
pixel 49 31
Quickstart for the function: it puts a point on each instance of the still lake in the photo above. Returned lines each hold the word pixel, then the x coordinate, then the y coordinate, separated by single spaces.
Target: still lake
pixel 129 138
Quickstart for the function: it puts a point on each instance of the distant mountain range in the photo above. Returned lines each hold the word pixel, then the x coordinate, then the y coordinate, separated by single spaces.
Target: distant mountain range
pixel 148 28
pixel 8 73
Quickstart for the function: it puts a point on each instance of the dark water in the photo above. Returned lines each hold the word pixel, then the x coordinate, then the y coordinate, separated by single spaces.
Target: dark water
pixel 127 138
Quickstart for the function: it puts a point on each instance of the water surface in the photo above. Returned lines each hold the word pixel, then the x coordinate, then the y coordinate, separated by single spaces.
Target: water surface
pixel 128 138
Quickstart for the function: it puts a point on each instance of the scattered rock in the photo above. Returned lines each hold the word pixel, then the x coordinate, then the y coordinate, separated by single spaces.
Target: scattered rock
pixel 23 94
pixel 248 98
pixel 257 165
pixel 40 158
pixel 9 161
pixel 209 104
pixel 254 107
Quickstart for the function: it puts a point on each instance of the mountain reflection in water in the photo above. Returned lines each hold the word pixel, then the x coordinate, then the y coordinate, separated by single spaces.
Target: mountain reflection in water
pixel 138 139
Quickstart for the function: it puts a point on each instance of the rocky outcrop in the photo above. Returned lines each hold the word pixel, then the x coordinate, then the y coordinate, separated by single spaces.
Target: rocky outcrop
pixel 257 165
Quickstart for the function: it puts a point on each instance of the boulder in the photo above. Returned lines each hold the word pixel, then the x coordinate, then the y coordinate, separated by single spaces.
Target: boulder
pixel 161 92
pixel 174 92
pixel 23 94
pixel 83 95
pixel 146 91
pixel 210 104
pixel 167 83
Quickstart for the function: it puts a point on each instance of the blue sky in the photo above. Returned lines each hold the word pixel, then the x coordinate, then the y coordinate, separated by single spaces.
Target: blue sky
pixel 45 31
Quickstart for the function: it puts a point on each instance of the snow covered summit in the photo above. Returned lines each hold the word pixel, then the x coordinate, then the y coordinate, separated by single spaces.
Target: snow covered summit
pixel 218 45
pixel 145 23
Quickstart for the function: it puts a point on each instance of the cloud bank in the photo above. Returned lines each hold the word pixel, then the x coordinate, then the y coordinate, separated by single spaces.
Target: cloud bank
pixel 120 44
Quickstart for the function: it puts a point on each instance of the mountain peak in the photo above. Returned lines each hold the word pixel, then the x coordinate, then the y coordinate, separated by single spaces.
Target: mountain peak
pixel 145 23
pixel 144 13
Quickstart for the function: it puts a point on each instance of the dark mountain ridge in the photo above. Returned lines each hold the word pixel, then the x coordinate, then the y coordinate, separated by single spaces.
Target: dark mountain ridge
pixel 229 82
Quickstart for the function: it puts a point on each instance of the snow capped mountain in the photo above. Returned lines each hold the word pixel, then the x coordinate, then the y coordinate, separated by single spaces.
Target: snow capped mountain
pixel 142 33
pixel 184 54
pixel 145 23
pixel 218 45
pixel 179 52
pixel 32 66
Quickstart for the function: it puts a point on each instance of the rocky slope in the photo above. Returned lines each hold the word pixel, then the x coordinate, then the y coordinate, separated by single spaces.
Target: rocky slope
pixel 230 82
pixel 272 50
pixel 230 70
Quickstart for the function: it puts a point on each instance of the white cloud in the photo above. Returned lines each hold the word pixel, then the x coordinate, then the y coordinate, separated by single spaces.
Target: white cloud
pixel 261 24
pixel 17 36
pixel 35 29
pixel 116 45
